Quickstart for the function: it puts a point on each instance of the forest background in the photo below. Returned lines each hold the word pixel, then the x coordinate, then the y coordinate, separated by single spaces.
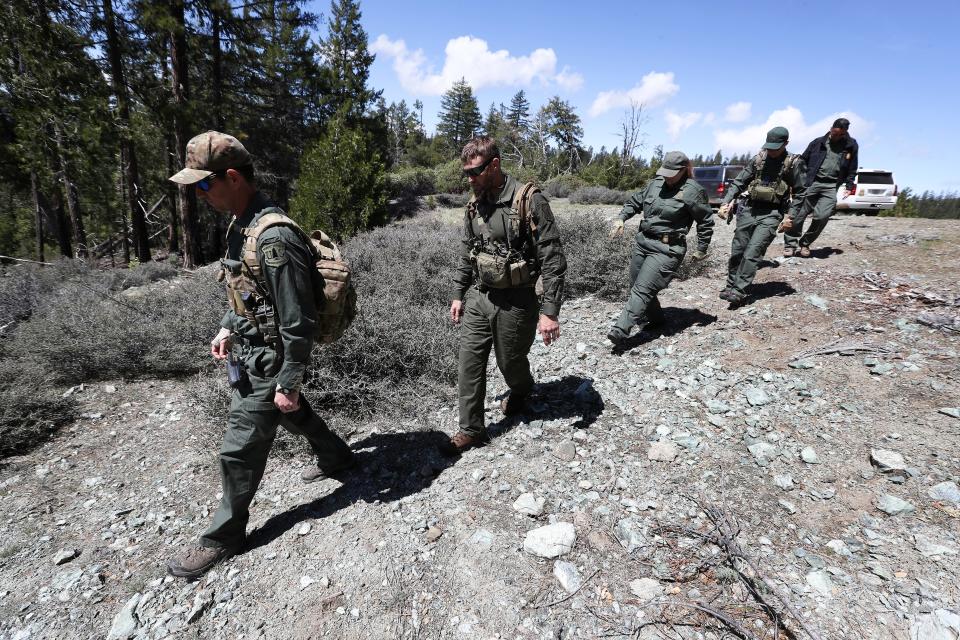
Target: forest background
pixel 98 99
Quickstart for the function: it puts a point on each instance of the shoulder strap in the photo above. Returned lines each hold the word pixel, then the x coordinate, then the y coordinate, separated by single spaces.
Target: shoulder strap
pixel 523 202
pixel 758 161
pixel 269 217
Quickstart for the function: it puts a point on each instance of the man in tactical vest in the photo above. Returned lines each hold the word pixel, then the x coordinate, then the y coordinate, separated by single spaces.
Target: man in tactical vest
pixel 766 183
pixel 509 250
pixel 831 160
pixel 266 337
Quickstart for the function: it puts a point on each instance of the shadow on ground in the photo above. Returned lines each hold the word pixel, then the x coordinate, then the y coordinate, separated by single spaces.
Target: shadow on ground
pixel 758 292
pixel 676 320
pixel 824 252
pixel 389 467
pixel 568 397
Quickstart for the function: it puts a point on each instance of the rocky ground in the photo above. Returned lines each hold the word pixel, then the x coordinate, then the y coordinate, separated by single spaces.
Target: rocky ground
pixel 793 459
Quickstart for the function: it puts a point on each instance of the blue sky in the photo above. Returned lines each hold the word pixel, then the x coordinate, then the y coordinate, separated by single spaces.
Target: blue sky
pixel 709 74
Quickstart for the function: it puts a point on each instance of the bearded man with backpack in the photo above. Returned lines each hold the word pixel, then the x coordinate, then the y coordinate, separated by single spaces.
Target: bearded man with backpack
pixel 508 287
pixel 280 286
pixel 767 184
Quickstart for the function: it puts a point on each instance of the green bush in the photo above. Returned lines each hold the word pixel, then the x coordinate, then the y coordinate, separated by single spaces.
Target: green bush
pixel 409 182
pixel 85 333
pixel 452 200
pixel 342 185
pixel 449 178
pixel 596 264
pixel 562 186
pixel 25 287
pixel 30 410
pixel 598 195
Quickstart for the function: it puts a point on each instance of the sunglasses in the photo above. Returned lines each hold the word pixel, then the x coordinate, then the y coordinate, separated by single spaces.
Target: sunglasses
pixel 476 171
pixel 204 185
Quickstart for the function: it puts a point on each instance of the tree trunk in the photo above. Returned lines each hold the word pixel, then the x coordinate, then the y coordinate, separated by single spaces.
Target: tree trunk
pixel 63 229
pixel 173 233
pixel 187 203
pixel 124 238
pixel 38 215
pixel 128 153
pixel 73 207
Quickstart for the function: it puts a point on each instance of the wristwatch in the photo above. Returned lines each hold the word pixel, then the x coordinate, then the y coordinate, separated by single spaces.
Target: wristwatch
pixel 285 391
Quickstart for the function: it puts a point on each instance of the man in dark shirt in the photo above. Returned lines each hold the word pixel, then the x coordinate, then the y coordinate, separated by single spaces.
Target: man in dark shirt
pixel 831 160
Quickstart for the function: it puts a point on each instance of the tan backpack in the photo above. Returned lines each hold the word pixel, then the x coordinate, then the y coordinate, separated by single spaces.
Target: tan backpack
pixel 336 300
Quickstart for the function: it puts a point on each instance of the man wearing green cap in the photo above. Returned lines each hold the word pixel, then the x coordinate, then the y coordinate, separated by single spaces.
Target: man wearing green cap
pixel 766 183
pixel 831 160
pixel 670 204
pixel 267 336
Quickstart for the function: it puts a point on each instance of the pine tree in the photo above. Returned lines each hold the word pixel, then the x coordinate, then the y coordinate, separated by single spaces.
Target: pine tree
pixel 459 115
pixel 564 127
pixel 347 62
pixel 519 113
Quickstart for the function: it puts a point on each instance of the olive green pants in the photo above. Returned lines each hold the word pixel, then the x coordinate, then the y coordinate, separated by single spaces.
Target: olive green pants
pixel 505 319
pixel 251 428
pixel 652 267
pixel 821 201
pixel 756 229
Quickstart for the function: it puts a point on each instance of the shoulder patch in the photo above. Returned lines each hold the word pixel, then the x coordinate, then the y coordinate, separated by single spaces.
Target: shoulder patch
pixel 274 254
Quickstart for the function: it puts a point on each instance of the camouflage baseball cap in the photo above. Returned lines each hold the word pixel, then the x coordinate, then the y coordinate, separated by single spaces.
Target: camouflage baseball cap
pixel 673 163
pixel 210 153
pixel 776 138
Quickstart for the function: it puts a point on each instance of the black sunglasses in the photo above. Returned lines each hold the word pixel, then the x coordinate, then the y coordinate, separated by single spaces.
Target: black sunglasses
pixel 476 171
pixel 204 185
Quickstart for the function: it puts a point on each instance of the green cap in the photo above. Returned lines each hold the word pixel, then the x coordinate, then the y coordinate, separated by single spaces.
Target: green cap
pixel 673 163
pixel 776 138
pixel 209 153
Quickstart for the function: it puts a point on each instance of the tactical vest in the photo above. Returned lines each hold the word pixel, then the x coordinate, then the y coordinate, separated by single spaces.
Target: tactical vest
pixel 502 264
pixel 334 295
pixel 771 193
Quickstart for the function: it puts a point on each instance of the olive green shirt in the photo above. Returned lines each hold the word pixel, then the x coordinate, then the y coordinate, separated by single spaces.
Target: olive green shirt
pixel 542 248
pixel 672 209
pixel 288 271
pixel 829 170
pixel 770 171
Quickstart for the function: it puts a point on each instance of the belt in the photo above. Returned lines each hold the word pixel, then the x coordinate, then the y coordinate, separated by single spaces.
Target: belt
pixel 666 238
pixel 826 180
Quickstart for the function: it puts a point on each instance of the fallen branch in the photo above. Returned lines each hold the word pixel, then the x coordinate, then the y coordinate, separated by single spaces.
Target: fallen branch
pixel 570 595
pixel 839 346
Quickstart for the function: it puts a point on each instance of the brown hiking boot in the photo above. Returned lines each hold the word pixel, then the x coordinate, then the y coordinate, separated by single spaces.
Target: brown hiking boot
pixel 804 252
pixel 462 442
pixel 196 561
pixel 313 473
pixel 512 406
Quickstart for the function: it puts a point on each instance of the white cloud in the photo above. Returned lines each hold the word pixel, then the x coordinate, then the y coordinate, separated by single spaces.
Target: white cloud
pixel 751 138
pixel 737 112
pixel 678 122
pixel 471 58
pixel 654 88
pixel 710 118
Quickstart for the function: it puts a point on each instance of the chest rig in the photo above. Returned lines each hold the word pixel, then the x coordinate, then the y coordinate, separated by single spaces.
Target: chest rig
pixel 766 192
pixel 502 263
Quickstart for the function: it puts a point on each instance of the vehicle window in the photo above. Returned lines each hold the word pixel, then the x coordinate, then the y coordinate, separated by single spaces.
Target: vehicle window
pixel 875 177
pixel 732 172
pixel 701 173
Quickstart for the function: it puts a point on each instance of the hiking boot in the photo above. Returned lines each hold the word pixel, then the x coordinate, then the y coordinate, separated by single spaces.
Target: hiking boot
pixel 514 405
pixel 732 296
pixel 804 252
pixel 196 561
pixel 788 252
pixel 463 441
pixel 617 336
pixel 313 473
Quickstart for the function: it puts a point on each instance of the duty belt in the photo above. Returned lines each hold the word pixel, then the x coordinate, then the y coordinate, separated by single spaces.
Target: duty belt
pixel 667 238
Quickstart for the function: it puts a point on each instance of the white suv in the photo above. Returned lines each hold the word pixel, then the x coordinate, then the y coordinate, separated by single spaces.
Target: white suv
pixel 874 190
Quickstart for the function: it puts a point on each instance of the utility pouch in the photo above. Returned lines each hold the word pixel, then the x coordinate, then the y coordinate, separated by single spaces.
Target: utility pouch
pixel 236 372
pixel 267 323
pixel 520 274
pixel 763 193
pixel 493 271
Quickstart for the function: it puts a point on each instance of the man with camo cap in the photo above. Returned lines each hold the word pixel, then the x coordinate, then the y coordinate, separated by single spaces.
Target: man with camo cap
pixel 271 351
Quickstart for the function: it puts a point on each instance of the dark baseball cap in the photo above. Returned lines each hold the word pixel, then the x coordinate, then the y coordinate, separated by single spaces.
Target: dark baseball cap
pixel 209 153
pixel 673 163
pixel 776 138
